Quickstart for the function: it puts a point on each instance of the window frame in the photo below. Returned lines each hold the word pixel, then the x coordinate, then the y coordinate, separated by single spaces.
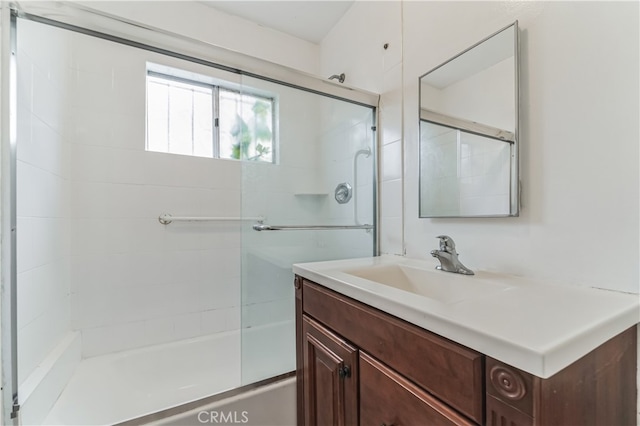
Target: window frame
pixel 215 119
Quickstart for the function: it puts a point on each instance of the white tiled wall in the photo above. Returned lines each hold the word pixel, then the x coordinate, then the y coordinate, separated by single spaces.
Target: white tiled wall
pixel 355 46
pixel 462 174
pixel 347 133
pixel 43 243
pixel 135 282
pixel 269 191
pixel 439 160
pixel 91 252
pixel 48 351
pixel 318 138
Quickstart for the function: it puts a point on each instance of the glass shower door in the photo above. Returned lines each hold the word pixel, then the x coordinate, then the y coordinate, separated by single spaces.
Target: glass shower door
pixel 134 273
pixel 315 145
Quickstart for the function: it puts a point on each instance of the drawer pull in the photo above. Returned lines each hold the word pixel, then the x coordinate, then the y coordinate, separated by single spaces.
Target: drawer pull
pixel 344 371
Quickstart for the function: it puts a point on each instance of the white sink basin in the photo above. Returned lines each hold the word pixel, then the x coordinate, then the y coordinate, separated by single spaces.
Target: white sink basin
pixel 445 287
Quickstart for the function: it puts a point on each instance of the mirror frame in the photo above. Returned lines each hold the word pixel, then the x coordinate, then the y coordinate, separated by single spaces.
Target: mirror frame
pixel 515 183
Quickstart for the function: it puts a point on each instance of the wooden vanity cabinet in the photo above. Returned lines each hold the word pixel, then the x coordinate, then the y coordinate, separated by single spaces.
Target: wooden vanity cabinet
pixel 357 365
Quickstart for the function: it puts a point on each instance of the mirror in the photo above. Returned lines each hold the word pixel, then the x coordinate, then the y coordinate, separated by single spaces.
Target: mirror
pixel 469 131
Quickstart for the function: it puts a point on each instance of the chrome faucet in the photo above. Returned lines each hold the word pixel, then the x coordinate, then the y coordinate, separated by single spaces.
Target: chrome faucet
pixel 448 257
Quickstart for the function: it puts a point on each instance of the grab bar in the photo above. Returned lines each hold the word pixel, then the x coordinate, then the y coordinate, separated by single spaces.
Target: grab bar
pixel 166 218
pixel 264 227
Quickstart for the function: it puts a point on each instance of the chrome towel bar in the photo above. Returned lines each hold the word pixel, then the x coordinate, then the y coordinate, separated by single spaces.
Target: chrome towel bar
pixel 265 227
pixel 166 219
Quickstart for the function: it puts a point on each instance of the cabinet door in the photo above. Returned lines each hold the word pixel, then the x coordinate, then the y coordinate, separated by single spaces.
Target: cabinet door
pixel 330 377
pixel 388 398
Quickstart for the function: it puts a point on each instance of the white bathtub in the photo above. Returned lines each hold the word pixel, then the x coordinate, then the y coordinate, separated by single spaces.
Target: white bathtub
pixel 118 387
pixel 270 405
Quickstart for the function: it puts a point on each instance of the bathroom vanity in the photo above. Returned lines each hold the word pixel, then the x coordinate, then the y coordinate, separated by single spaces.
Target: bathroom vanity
pixel 372 353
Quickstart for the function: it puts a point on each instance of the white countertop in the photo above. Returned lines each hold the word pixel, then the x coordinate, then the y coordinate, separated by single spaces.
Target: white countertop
pixel 537 327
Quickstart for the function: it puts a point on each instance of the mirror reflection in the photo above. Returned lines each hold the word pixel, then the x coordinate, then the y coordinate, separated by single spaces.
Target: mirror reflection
pixel 468 132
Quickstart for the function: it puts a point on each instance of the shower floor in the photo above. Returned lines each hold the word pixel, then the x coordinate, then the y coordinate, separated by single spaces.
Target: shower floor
pixel 116 387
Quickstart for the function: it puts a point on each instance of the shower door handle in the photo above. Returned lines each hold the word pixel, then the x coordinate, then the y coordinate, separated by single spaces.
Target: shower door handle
pixel 262 227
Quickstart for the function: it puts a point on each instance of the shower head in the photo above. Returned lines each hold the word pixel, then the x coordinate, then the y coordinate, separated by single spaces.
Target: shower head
pixel 340 77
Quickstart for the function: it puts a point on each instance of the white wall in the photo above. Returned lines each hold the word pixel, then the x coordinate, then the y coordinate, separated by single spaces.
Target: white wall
pixel 579 134
pixel 579 130
pixel 204 23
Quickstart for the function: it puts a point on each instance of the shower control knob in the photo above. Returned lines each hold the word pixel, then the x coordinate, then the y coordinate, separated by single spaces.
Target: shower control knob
pixel 343 193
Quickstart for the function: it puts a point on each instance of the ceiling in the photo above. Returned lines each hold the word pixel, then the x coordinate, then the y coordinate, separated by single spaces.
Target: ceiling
pixel 309 20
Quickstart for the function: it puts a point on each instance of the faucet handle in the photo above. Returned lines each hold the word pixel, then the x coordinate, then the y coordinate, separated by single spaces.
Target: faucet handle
pixel 447 244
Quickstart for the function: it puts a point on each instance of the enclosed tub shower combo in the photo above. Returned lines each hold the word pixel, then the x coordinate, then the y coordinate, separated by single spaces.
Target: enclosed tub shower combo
pixel 162 192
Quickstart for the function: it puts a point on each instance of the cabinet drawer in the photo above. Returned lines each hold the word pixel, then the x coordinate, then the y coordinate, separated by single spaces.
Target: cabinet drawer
pixel 446 369
pixel 386 398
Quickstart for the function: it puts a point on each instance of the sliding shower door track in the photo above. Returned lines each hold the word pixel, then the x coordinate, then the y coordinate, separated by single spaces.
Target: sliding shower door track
pixel 67 10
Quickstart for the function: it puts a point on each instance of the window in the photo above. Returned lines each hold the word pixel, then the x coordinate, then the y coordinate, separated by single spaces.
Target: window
pixel 208 120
